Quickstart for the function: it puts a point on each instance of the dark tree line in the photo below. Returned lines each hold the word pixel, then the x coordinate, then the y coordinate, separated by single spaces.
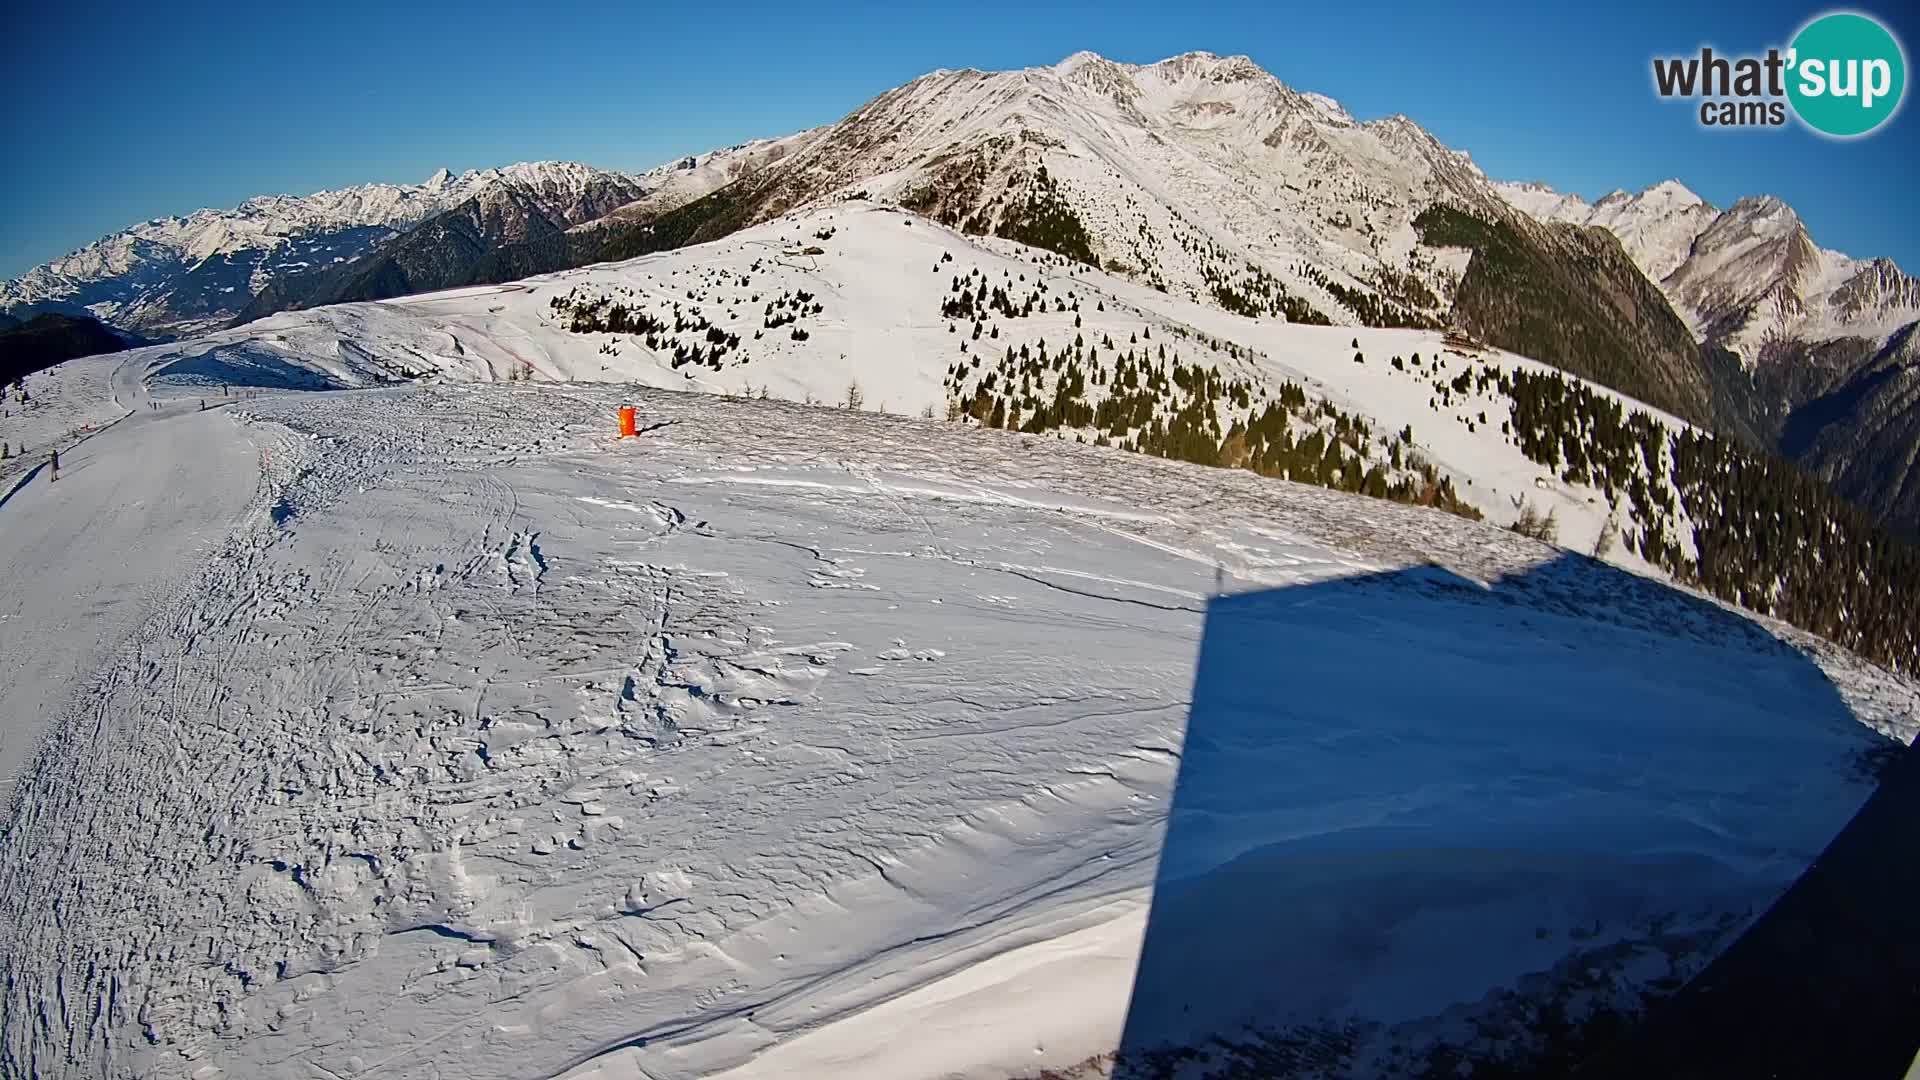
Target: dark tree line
pixel 684 333
pixel 1764 534
pixel 1258 293
pixel 1152 402
pixel 1370 308
pixel 1046 220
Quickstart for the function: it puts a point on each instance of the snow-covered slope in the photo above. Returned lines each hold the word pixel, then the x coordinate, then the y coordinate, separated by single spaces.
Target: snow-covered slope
pixel 681 181
pixel 1192 174
pixel 855 296
pixel 60 404
pixel 180 275
pixel 489 745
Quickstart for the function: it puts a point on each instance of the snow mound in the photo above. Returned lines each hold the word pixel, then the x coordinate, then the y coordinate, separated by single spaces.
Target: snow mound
pixel 245 364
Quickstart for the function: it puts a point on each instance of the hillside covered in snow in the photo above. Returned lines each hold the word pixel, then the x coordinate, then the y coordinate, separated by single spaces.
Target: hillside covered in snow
pixel 863 302
pixel 1200 176
pixel 432 730
pixel 1124 570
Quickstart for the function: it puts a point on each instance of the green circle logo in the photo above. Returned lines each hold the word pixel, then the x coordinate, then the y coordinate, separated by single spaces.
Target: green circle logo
pixel 1847 75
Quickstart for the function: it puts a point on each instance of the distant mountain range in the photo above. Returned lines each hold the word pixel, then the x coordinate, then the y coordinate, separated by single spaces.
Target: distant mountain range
pixel 181 276
pixel 1203 176
pixel 178 276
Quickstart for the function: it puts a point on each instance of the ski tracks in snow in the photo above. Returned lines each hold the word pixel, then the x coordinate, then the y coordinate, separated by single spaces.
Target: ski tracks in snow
pixel 506 748
pixel 538 740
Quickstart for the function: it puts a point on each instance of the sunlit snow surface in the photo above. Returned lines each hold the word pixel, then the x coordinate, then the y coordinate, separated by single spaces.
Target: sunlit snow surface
pixel 881 282
pixel 489 745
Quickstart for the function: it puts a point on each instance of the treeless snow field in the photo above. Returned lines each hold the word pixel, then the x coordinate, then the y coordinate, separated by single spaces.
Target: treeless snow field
pixel 486 744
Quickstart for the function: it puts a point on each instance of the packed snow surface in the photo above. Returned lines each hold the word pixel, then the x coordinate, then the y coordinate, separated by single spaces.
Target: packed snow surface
pixel 482 743
pixel 161 497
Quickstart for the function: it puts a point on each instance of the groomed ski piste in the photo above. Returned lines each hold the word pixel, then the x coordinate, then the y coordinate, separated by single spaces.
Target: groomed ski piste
pixel 366 727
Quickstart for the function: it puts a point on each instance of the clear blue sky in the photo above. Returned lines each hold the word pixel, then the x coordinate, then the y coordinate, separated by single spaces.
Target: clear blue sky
pixel 120 112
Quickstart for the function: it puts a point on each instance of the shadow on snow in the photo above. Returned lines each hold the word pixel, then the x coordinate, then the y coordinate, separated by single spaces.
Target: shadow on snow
pixel 1426 827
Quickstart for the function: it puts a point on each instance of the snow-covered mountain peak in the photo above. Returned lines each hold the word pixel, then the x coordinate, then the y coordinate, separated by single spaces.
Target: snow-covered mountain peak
pixel 1186 65
pixel 1193 79
pixel 1764 213
pixel 1538 200
pixel 1673 193
pixel 1753 275
pixel 1197 171
pixel 1106 77
pixel 1333 110
pixel 1754 220
pixel 1194 66
pixel 538 171
pixel 1202 78
pixel 1082 60
pixel 1743 276
pixel 1398 130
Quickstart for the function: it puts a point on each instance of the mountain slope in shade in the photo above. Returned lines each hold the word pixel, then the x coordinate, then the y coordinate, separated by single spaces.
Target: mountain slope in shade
pixel 444 250
pixel 1819 344
pixel 46 340
pixel 1858 427
pixel 178 276
pixel 1746 276
pixel 1571 293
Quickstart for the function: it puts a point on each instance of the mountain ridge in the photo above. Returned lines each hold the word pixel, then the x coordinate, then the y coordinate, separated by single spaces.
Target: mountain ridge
pixel 1820 343
pixel 1744 274
pixel 182 274
pixel 1207 177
